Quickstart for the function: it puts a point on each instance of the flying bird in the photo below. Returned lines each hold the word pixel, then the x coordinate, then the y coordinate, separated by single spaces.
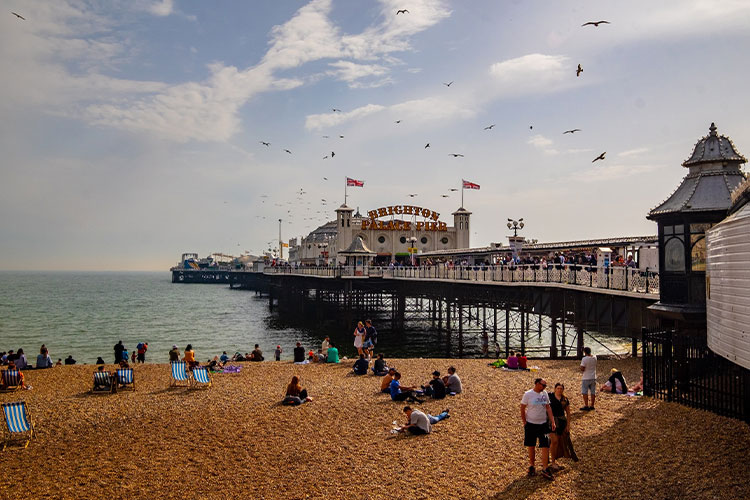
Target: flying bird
pixel 531 127
pixel 266 144
pixel 448 84
pixel 19 16
pixel 572 131
pixel 454 189
pixel 341 137
pixel 398 121
pixel 333 154
pixel 336 110
pixel 325 178
pixel 288 151
pixel 445 195
pixel 489 127
pixel 402 11
pixel 600 157
pixel 325 137
pixel 579 70
pixel 427 145
pixel 412 195
pixel 455 155
pixel 325 157
pixel 595 23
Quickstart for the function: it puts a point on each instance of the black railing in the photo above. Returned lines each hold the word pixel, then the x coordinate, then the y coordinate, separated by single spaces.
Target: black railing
pixel 681 368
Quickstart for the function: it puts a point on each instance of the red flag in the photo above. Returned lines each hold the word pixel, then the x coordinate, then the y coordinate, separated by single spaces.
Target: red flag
pixel 355 183
pixel 470 185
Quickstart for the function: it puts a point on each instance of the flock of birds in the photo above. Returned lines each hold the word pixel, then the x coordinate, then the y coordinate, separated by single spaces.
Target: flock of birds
pixel 321 213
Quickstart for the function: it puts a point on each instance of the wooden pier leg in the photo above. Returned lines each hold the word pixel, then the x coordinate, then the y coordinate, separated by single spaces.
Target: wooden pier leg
pixel 553 340
pixel 507 330
pixel 524 326
pixel 448 316
pixel 461 329
pixel 494 324
pixel 440 314
pixel 579 338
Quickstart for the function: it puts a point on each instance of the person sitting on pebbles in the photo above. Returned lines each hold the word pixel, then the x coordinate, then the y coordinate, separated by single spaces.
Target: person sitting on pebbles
pixel 418 423
pixel 436 387
pixel 361 365
pixel 385 383
pixel 295 394
pixel 401 393
pixel 616 383
pixel 379 368
pixel 452 381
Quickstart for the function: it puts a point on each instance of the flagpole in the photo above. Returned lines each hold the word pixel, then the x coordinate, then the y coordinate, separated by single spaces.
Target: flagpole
pixel 462 193
pixel 346 182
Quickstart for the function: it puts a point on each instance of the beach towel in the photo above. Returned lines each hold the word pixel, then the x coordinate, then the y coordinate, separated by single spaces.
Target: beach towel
pixel 232 369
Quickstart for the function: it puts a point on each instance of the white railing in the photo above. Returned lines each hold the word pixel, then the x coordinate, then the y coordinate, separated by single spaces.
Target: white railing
pixel 609 278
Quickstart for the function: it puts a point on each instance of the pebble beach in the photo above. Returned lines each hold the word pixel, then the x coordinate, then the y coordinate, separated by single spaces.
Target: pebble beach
pixel 236 440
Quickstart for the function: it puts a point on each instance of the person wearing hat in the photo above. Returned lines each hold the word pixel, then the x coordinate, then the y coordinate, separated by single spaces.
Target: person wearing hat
pixel 616 383
pixel 174 354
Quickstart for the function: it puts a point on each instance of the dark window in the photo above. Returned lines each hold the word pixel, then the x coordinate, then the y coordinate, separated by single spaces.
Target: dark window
pixel 424 240
pixel 444 240
pixel 381 239
pixel 403 239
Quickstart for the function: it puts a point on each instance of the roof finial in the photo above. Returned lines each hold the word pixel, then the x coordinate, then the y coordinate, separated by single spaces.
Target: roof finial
pixel 712 129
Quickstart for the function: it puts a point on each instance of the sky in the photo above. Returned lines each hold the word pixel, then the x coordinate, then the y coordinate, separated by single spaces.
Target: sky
pixel 131 131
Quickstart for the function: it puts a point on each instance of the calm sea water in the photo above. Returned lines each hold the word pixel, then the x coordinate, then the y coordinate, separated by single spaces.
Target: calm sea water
pixel 86 313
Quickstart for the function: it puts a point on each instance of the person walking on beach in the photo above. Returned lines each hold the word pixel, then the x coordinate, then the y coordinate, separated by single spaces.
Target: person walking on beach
pixel 359 335
pixel 535 415
pixel 371 338
pixel 560 406
pixel 588 380
pixel 119 348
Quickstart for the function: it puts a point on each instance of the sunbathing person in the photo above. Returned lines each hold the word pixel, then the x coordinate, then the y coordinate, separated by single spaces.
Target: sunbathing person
pixel 295 394
pixel 616 381
pixel 379 368
pixel 385 383
pixel 361 365
pixel 403 393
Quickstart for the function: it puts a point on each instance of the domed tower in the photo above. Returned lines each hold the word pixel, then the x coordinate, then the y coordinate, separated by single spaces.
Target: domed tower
pixel 461 224
pixel 700 201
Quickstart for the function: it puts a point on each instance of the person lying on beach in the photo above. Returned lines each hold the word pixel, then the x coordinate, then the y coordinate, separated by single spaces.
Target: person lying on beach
pixel 436 387
pixel 361 365
pixel 215 364
pixel 385 383
pixel 295 394
pixel 402 393
pixel 452 381
pixel 379 368
pixel 617 381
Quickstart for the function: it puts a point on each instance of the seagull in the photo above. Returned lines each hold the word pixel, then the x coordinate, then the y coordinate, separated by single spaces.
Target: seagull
pixel 600 157
pixel 455 155
pixel 595 23
pixel 341 137
pixel 266 144
pixel 411 195
pixel 398 121
pixel 531 127
pixel 325 178
pixel 325 157
pixel 579 70
pixel 448 84
pixel 572 131
pixel 336 110
pixel 454 189
pixel 19 16
pixel 325 137
pixel 288 151
pixel 333 154
pixel 427 145
pixel 489 127
pixel 402 11
pixel 445 195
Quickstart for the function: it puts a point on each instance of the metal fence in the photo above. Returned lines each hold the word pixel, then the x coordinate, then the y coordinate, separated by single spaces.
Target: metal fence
pixel 681 368
pixel 609 278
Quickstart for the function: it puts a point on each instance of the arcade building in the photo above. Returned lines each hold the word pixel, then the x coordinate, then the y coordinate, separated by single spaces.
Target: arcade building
pixel 393 233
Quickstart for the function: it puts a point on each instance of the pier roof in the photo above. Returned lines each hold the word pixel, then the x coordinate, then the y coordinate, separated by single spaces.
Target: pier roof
pixel 358 247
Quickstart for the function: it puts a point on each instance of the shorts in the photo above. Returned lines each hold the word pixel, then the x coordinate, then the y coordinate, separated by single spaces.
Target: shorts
pixel 587 386
pixel 534 432
pixel 368 344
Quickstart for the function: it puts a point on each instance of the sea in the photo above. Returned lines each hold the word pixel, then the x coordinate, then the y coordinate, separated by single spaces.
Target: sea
pixel 84 314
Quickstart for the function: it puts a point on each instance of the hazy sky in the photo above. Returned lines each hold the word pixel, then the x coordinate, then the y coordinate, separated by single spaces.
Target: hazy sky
pixel 130 131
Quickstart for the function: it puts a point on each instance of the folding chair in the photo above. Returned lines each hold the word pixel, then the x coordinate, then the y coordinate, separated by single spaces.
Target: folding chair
pixel 17 421
pixel 125 379
pixel 179 374
pixel 201 377
pixel 103 383
pixel 11 381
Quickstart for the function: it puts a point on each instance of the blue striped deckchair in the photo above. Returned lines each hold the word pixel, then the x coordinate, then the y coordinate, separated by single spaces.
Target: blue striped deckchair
pixel 201 377
pixel 103 383
pixel 17 421
pixel 125 378
pixel 11 381
pixel 179 374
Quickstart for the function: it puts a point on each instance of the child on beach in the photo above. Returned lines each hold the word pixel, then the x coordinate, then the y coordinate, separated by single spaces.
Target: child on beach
pixel 277 353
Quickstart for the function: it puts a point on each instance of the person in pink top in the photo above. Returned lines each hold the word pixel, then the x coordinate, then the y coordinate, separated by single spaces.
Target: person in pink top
pixel 512 361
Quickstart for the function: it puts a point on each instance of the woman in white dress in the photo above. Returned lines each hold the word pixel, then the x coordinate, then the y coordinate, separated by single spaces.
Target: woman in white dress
pixel 359 337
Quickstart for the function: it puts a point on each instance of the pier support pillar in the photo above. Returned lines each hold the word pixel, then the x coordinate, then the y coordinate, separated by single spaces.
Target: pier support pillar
pixel 553 339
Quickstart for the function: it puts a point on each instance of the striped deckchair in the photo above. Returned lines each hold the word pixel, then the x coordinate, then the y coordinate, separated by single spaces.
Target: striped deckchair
pixel 179 374
pixel 11 381
pixel 201 377
pixel 103 383
pixel 125 378
pixel 17 422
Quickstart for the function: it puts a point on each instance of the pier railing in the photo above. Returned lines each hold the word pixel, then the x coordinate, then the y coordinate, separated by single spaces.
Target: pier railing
pixel 607 278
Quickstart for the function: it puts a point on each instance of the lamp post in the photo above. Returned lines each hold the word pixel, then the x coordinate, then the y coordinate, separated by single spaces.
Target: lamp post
pixel 515 241
pixel 412 241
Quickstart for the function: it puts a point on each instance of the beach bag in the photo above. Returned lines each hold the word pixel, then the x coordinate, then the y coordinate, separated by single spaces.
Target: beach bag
pixel 291 401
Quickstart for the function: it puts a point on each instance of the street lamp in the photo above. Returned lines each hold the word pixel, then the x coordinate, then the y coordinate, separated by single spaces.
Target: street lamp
pixel 515 225
pixel 413 241
pixel 516 242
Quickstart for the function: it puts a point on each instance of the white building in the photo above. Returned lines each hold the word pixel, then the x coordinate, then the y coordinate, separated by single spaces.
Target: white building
pixel 393 232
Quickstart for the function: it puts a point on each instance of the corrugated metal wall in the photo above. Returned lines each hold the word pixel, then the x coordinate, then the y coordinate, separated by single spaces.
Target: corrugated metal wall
pixel 728 288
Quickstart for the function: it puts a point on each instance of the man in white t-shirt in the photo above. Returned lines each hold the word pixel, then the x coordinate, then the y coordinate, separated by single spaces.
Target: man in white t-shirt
pixel 588 380
pixel 537 419
pixel 418 422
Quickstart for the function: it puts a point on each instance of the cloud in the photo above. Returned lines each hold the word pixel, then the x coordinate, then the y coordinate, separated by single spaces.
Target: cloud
pixel 633 152
pixel 350 72
pixel 542 144
pixel 532 73
pixel 605 173
pixel 326 120
pixel 162 8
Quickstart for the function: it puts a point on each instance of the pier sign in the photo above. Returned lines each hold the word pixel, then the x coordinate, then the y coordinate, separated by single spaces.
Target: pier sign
pixel 433 224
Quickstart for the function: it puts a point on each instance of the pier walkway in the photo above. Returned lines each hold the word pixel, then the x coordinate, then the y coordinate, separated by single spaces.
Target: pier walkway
pixel 621 281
